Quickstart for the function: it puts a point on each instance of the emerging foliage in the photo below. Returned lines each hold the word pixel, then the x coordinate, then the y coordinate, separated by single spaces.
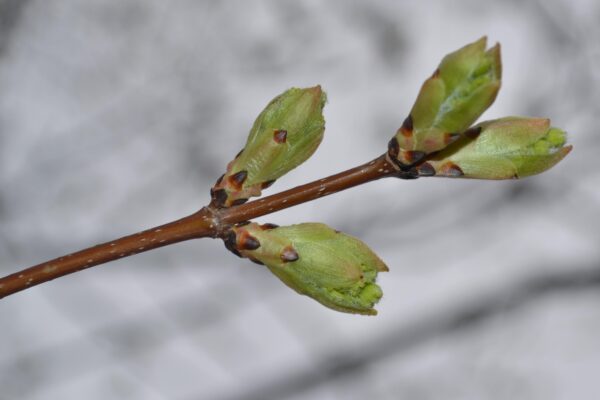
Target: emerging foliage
pixel 505 148
pixel 463 86
pixel 436 139
pixel 337 270
pixel 285 134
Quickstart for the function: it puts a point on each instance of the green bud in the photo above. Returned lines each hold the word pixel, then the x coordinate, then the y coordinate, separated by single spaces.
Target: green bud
pixel 335 269
pixel 285 134
pixel 511 147
pixel 460 90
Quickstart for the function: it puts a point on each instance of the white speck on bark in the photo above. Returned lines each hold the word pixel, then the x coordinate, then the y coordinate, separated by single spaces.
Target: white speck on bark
pixel 48 268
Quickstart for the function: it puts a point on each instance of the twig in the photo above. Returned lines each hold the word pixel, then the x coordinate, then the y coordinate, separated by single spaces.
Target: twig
pixel 208 222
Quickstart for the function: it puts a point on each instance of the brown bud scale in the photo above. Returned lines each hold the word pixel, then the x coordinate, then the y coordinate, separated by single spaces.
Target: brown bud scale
pixel 280 136
pixel 407 127
pixel 289 254
pixel 237 180
pixel 414 157
pixel 255 261
pixel 219 197
pixel 269 226
pixel 450 137
pixel 248 242
pixel 393 148
pixel 230 241
pixel 473 133
pixel 426 169
pixel 267 184
pixel 451 169
pixel 407 174
pixel 238 202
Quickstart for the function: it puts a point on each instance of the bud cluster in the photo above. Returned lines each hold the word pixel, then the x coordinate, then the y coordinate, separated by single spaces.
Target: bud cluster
pixel 436 139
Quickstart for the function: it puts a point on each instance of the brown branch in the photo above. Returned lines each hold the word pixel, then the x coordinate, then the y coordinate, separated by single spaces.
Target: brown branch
pixel 205 223
pixel 376 169
pixel 200 224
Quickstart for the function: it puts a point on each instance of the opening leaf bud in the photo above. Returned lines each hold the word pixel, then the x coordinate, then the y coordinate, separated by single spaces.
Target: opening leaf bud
pixel 510 147
pixel 337 270
pixel 285 134
pixel 463 86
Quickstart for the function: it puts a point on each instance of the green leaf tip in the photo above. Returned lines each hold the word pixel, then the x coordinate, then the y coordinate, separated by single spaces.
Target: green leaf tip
pixel 505 148
pixel 284 135
pixel 335 269
pixel 463 86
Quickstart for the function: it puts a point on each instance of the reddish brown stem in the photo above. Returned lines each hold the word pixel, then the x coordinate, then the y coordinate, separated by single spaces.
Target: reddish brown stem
pixel 376 169
pixel 205 223
pixel 200 224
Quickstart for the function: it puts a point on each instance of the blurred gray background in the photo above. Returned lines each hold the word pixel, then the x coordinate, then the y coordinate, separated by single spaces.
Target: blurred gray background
pixel 117 115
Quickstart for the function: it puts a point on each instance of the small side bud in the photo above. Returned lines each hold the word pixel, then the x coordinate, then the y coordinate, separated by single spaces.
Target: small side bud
pixel 335 269
pixel 506 148
pixel 285 134
pixel 461 89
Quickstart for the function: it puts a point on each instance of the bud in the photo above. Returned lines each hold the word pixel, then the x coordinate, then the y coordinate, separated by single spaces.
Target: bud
pixel 335 269
pixel 459 91
pixel 285 134
pixel 511 147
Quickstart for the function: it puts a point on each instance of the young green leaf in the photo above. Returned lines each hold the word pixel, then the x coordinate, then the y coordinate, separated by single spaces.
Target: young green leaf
pixel 463 86
pixel 511 147
pixel 285 134
pixel 335 269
